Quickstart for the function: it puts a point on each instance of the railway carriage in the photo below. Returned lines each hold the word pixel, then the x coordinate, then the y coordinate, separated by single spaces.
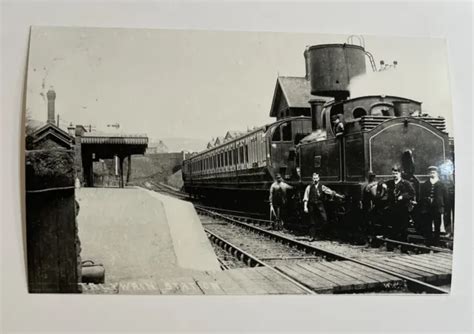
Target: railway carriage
pixel 245 167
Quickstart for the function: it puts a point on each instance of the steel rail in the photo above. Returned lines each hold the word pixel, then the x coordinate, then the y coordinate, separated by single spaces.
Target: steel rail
pixel 238 213
pixel 310 248
pixel 415 246
pixel 222 264
pixel 249 259
pixel 163 189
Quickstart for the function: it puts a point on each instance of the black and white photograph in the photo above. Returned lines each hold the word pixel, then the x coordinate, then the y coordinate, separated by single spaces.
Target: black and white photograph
pixel 186 162
pixel 236 166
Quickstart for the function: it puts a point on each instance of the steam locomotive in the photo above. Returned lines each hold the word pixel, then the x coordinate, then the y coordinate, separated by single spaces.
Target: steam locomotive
pixel 379 132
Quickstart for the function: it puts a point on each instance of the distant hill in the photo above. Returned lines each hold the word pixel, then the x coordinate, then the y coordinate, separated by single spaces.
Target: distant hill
pixel 178 144
pixel 157 147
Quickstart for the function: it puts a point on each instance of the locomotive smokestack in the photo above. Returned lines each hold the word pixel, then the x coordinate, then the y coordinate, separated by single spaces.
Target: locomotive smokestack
pixel 316 109
pixel 401 108
pixel 51 99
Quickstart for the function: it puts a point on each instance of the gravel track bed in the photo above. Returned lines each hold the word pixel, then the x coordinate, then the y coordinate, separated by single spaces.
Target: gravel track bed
pixel 255 244
pixel 228 259
pixel 345 249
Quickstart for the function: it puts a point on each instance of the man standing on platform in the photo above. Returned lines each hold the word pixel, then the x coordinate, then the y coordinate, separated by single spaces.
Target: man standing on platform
pixel 314 206
pixel 433 198
pixel 400 193
pixel 278 201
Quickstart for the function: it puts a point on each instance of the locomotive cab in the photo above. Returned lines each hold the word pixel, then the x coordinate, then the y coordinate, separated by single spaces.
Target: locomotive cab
pixel 282 138
pixel 377 132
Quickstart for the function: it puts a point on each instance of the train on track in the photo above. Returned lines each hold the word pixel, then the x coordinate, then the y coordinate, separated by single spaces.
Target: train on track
pixel 379 132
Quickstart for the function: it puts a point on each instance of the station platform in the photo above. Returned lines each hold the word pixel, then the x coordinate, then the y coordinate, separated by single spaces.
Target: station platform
pixel 142 235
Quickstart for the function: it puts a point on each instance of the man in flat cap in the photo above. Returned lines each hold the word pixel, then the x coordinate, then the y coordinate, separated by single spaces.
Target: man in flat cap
pixel 433 196
pixel 400 193
pixel 278 201
pixel 337 125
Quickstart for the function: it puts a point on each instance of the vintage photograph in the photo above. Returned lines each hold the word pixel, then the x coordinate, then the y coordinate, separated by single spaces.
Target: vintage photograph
pixel 194 162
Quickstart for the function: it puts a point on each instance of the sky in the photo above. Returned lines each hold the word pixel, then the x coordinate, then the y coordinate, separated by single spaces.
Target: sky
pixel 199 84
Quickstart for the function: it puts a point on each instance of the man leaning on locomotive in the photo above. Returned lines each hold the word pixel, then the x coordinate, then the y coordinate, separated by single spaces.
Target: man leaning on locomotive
pixel 314 196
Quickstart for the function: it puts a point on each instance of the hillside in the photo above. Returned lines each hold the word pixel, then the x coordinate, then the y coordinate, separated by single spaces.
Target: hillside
pixel 178 144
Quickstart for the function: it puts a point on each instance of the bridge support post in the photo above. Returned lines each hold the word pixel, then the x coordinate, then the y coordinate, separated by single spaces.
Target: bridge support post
pixel 129 168
pixel 121 171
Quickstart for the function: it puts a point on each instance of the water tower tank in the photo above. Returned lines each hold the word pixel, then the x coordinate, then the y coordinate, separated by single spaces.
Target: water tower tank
pixel 332 66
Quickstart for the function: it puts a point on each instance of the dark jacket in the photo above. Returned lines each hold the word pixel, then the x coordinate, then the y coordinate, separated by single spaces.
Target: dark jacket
pixel 402 188
pixel 437 201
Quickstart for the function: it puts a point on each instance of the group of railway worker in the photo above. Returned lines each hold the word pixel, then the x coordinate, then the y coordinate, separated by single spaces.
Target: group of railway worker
pixel 391 204
pixel 397 203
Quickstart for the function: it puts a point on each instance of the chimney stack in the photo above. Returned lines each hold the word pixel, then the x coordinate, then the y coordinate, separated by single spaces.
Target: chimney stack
pixel 51 98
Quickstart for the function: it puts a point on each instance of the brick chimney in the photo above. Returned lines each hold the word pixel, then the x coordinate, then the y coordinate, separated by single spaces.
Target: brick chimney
pixel 51 98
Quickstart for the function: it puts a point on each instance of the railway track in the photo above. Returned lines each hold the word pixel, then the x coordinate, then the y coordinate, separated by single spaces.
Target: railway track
pixel 320 254
pixel 162 188
pixel 402 246
pixel 260 246
pixel 253 261
pixel 301 253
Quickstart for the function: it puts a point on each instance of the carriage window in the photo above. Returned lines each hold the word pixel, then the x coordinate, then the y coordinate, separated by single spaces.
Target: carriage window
pixel 276 134
pixel 359 112
pixel 286 131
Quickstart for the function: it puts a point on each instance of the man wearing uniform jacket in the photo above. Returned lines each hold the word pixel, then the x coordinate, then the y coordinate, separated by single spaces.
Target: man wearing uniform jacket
pixel 314 206
pixel 400 194
pixel 433 198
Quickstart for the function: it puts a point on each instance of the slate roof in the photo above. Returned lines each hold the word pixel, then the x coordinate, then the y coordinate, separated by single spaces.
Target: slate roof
pixel 218 141
pixel 114 134
pixel 296 91
pixel 233 134
pixel 98 137
pixel 50 130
